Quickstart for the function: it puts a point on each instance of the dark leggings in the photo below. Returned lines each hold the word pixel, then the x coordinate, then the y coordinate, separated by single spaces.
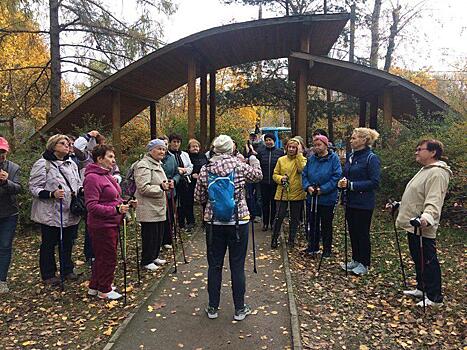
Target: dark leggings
pixel 151 236
pixel 295 210
pixel 359 222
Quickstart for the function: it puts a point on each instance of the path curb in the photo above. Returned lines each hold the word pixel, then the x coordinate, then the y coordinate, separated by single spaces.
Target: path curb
pixel 294 321
pixel 146 296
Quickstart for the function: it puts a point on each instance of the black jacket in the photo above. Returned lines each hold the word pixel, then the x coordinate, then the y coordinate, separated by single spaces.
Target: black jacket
pixel 9 189
pixel 268 159
pixel 198 160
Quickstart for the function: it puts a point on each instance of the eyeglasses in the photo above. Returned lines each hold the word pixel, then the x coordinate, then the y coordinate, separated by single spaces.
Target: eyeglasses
pixel 64 143
pixel 418 149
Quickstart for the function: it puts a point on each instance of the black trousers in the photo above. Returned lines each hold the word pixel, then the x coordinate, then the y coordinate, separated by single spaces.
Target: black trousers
pixel 217 241
pixel 50 238
pixel 268 203
pixel 168 224
pixel 321 227
pixel 431 282
pixel 295 210
pixel 151 237
pixel 359 222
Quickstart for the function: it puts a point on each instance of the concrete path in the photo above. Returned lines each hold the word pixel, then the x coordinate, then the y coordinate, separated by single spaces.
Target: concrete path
pixel 173 317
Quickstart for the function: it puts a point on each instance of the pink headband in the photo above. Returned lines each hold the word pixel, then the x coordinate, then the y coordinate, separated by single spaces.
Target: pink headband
pixel 322 138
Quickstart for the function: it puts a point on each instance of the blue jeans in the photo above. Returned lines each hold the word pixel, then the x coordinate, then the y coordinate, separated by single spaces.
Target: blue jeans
pixel 217 241
pixel 7 232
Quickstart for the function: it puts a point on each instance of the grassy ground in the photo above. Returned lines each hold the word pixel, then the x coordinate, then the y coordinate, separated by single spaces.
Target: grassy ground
pixel 370 312
pixel 33 316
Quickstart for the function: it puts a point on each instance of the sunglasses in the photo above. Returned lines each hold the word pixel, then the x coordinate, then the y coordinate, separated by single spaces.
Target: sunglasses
pixel 64 143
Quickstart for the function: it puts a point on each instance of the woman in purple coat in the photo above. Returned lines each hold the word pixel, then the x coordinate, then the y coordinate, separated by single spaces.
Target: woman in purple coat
pixel 105 212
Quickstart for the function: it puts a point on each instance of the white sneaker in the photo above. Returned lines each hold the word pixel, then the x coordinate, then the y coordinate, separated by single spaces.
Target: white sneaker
pixel 93 292
pixel 160 261
pixel 4 287
pixel 151 267
pixel 428 302
pixel 112 295
pixel 350 265
pixel 416 293
pixel 360 270
pixel 167 246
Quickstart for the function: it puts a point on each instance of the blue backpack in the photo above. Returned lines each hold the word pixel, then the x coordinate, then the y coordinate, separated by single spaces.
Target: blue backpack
pixel 221 193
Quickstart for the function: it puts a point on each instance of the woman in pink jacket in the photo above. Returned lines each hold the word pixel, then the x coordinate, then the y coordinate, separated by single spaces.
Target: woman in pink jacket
pixel 105 212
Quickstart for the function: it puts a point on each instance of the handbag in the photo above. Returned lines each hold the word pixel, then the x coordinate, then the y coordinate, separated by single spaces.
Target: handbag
pixel 77 206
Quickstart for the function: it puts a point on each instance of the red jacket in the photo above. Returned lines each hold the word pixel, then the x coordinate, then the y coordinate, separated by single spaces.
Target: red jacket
pixel 102 194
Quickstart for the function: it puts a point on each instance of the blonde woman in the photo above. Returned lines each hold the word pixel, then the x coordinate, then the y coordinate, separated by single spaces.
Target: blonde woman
pixel 361 179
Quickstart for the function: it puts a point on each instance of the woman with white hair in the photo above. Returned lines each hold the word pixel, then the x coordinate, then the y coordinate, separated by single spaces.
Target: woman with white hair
pixel 151 186
pixel 54 178
pixel 226 217
pixel 361 179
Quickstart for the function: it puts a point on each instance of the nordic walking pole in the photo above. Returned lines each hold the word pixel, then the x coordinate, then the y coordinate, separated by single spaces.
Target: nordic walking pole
pixel 415 222
pixel 394 206
pixel 252 220
pixel 61 252
pixel 123 252
pixel 276 218
pixel 170 220
pixel 135 224
pixel 315 218
pixel 175 231
pixel 344 203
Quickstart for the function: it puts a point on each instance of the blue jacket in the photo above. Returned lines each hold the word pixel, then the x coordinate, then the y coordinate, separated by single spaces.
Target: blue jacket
pixel 325 172
pixel 362 169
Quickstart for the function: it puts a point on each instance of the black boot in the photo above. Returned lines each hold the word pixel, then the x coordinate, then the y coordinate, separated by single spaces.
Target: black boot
pixel 274 241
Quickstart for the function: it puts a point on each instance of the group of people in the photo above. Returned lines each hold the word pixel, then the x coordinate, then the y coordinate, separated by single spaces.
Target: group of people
pixel 168 180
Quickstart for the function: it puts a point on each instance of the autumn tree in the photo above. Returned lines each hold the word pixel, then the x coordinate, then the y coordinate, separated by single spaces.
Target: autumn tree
pixel 86 37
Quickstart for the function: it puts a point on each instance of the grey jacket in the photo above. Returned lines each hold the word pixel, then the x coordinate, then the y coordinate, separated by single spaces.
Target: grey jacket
pixel 45 176
pixel 9 189
pixel 151 198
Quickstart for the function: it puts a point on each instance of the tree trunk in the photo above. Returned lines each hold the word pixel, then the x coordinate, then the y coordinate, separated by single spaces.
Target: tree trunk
pixel 375 34
pixel 56 74
pixel 329 113
pixel 392 37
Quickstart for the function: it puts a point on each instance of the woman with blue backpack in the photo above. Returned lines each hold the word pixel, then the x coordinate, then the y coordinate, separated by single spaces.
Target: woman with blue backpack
pixel 220 186
pixel 360 181
pixel 319 180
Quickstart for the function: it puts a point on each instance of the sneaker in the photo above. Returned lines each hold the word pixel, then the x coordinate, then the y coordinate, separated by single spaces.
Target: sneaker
pixel 326 255
pixel 71 276
pixel 428 302
pixel 167 246
pixel 416 293
pixel 151 267
pixel 257 219
pixel 112 295
pixel 94 292
pixel 242 313
pixel 212 312
pixel 53 281
pixel 360 270
pixel 4 287
pixel 350 266
pixel 160 261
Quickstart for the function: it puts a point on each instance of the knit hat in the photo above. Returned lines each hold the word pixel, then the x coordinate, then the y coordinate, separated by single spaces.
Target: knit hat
pixel 322 138
pixel 269 136
pixel 4 144
pixel 223 144
pixel 53 140
pixel 155 143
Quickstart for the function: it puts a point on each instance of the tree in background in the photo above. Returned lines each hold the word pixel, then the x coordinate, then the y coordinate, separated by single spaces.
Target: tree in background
pixel 86 37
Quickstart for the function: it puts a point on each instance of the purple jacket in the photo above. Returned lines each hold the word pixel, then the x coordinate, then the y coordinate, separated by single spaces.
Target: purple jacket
pixel 102 194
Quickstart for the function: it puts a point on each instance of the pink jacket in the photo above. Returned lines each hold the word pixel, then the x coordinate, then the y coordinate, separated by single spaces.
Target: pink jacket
pixel 102 194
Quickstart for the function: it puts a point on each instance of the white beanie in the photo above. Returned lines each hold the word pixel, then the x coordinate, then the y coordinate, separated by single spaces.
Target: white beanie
pixel 223 144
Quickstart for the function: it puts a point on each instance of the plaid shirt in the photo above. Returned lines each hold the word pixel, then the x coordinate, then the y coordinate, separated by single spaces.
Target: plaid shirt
pixel 223 165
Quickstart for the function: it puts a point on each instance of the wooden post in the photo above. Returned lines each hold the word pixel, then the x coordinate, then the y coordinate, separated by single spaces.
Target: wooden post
pixel 212 106
pixel 352 33
pixel 362 114
pixel 374 113
pixel 153 119
pixel 387 108
pixel 329 115
pixel 301 97
pixel 191 81
pixel 116 123
pixel 203 110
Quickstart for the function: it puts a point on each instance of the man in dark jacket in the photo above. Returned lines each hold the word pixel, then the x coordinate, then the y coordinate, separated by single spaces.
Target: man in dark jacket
pixel 9 188
pixel 268 157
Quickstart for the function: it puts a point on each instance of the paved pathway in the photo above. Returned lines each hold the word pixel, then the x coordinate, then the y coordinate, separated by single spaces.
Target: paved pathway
pixel 173 317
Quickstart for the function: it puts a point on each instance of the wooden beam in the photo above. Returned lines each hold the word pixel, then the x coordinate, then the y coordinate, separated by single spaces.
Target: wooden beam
pixel 301 97
pixel 191 81
pixel 362 114
pixel 374 113
pixel 116 125
pixel 153 119
pixel 305 39
pixel 387 108
pixel 212 106
pixel 203 110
